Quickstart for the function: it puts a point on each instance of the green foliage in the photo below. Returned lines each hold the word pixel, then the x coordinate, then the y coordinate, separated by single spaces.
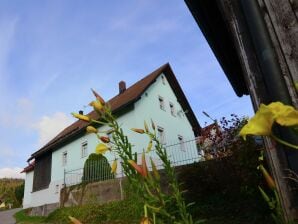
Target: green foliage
pixel 121 212
pixel 19 192
pixel 97 168
pixel 225 190
pixel 23 218
pixel 7 191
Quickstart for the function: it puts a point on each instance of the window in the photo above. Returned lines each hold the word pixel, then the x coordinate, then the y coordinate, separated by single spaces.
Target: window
pixel 172 109
pixel 64 158
pixel 161 103
pixel 84 149
pixel 161 135
pixel 181 142
pixel 163 79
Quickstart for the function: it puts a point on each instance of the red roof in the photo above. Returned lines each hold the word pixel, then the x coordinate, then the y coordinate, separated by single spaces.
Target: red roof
pixel 120 101
pixel 29 168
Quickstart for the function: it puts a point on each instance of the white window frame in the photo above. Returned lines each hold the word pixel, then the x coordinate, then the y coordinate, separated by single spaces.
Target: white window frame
pixel 161 135
pixel 172 109
pixel 84 149
pixel 64 158
pixel 161 103
pixel 181 142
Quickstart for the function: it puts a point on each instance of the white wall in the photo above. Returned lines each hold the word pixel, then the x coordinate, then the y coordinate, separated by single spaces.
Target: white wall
pixel 28 189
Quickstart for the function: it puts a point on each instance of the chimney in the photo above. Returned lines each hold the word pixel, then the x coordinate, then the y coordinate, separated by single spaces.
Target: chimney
pixel 81 112
pixel 122 87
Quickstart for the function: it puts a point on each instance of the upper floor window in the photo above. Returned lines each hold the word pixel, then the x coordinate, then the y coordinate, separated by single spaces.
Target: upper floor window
pixel 163 79
pixel 172 109
pixel 181 142
pixel 84 149
pixel 161 103
pixel 161 135
pixel 64 158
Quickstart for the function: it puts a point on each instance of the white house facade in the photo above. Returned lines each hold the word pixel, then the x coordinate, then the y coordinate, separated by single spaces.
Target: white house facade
pixel 158 96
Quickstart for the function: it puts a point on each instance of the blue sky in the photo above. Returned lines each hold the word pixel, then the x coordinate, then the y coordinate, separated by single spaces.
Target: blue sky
pixel 52 52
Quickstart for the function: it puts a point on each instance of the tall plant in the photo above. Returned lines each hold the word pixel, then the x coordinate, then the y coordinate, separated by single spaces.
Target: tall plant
pixel 159 206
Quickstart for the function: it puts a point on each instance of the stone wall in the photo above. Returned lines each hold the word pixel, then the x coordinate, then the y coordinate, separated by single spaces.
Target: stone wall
pixel 97 192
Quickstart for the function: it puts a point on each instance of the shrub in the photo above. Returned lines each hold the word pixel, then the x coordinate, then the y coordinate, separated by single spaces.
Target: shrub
pixel 97 168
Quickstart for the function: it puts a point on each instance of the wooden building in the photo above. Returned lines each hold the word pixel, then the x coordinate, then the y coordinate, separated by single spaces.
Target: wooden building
pixel 256 43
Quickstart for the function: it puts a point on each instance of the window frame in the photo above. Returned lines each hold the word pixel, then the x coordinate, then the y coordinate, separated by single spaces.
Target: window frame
pixel 84 150
pixel 172 109
pixel 181 143
pixel 64 158
pixel 161 137
pixel 161 101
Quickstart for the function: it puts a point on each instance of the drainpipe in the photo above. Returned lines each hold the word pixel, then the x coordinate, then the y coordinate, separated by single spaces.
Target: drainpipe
pixel 271 73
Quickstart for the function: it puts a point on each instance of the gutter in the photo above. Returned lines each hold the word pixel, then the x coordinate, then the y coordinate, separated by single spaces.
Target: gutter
pixel 271 73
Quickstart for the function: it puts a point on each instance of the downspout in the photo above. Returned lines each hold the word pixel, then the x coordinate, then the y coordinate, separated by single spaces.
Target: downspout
pixel 271 72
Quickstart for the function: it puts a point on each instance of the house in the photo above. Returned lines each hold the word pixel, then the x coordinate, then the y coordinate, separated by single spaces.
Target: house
pixel 256 44
pixel 158 96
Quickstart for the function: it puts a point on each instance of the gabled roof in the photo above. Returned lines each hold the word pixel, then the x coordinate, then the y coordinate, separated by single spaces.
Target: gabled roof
pixel 120 101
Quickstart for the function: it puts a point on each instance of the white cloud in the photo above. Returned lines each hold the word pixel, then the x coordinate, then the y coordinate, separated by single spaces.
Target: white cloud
pixel 14 172
pixel 49 126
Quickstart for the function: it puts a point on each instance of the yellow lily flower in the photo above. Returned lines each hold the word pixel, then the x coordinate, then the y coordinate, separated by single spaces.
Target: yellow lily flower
pixel 91 129
pixel 146 126
pixel 104 139
pixel 97 106
pixel 138 130
pixel 81 117
pixel 74 220
pixel 267 177
pixel 283 114
pixel 145 220
pixel 101 148
pixel 98 97
pixel 149 147
pixel 114 166
pixel 260 124
pixel 154 169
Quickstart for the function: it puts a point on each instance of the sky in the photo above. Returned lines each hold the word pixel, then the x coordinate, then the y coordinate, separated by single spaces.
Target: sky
pixel 53 51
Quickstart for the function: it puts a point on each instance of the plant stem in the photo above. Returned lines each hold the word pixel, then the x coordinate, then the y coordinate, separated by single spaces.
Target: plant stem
pixel 284 142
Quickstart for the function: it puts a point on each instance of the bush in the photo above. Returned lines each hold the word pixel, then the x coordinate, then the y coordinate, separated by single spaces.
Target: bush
pixel 120 212
pixel 97 168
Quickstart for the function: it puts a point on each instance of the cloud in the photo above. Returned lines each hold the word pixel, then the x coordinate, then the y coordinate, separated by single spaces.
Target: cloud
pixel 49 126
pixel 14 172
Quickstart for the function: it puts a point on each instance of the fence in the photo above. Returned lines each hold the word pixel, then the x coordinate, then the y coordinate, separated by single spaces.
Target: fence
pixel 181 153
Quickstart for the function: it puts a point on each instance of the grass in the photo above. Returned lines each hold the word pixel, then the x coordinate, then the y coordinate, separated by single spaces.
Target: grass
pixel 23 218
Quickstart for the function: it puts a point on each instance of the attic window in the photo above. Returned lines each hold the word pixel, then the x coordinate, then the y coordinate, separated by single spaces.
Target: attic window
pixel 84 149
pixel 163 79
pixel 64 158
pixel 161 103
pixel 172 109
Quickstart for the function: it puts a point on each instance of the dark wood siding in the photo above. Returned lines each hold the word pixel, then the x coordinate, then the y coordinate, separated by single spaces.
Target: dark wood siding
pixel 42 172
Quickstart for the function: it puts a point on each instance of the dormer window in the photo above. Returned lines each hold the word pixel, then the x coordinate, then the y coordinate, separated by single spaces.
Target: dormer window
pixel 161 103
pixel 172 108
